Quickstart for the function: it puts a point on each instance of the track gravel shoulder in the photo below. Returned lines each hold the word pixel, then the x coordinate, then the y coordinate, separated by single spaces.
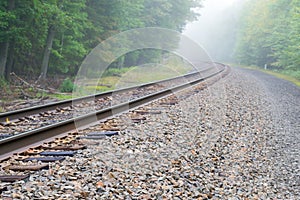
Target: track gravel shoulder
pixel 284 100
pixel 236 139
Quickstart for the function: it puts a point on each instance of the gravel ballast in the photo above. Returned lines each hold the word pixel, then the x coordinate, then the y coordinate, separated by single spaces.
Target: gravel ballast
pixel 235 140
pixel 284 99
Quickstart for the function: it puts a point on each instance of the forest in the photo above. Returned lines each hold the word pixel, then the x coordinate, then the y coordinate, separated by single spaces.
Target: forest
pixel 268 35
pixel 39 38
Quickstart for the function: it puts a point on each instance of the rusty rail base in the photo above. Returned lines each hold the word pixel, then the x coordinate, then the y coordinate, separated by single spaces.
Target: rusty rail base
pixel 15 143
pixel 12 115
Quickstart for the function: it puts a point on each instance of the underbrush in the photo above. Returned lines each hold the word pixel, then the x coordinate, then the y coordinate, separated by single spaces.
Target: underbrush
pixel 295 74
pixel 116 71
pixel 4 84
pixel 5 90
pixel 67 86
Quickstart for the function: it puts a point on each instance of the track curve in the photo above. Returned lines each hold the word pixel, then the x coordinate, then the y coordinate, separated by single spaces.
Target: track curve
pixel 16 143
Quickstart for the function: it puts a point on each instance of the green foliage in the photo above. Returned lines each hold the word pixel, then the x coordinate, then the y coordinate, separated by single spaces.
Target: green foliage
pixel 169 14
pixel 67 85
pixel 270 34
pixel 292 73
pixel 78 26
pixel 3 84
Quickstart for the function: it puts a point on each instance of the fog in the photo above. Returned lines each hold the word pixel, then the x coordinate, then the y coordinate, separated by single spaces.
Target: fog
pixel 216 28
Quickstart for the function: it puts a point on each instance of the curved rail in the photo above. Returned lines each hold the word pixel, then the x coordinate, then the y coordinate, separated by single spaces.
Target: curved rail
pixel 14 144
pixel 12 115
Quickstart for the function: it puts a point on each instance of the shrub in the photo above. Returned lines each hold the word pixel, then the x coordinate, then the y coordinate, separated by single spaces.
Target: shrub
pixel 4 86
pixel 3 82
pixel 67 85
pixel 292 73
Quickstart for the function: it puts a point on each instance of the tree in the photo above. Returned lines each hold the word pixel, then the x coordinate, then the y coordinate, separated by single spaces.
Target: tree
pixel 63 21
pixel 6 20
pixel 15 39
pixel 253 47
pixel 285 38
pixel 171 14
pixel 269 34
pixel 38 37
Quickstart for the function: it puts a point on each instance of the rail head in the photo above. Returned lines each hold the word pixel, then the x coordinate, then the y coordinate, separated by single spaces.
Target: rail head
pixel 16 114
pixel 15 143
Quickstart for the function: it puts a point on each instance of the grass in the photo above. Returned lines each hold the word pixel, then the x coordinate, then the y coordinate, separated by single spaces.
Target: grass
pixel 102 84
pixel 149 73
pixel 107 81
pixel 292 73
pixel 285 75
pixel 132 76
pixel 136 76
pixel 60 96
pixel 2 109
pixel 98 88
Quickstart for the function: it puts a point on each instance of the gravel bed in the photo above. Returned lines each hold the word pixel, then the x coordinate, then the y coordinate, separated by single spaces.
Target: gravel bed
pixel 214 144
pixel 284 100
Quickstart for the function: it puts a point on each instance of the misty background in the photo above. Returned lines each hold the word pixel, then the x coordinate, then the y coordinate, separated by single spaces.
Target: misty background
pixel 216 28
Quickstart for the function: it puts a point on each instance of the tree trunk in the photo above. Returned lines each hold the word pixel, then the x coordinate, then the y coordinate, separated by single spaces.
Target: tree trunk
pixel 47 52
pixel 3 57
pixel 5 45
pixel 10 60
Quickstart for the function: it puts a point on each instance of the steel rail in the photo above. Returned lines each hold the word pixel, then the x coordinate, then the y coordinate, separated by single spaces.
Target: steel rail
pixel 12 115
pixel 19 141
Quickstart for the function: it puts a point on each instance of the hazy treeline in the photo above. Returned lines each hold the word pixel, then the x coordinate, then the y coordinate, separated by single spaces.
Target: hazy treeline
pixel 38 37
pixel 269 34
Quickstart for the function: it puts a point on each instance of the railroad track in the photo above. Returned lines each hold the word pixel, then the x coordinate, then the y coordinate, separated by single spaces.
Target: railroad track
pixel 21 113
pixel 41 113
pixel 19 121
pixel 56 132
